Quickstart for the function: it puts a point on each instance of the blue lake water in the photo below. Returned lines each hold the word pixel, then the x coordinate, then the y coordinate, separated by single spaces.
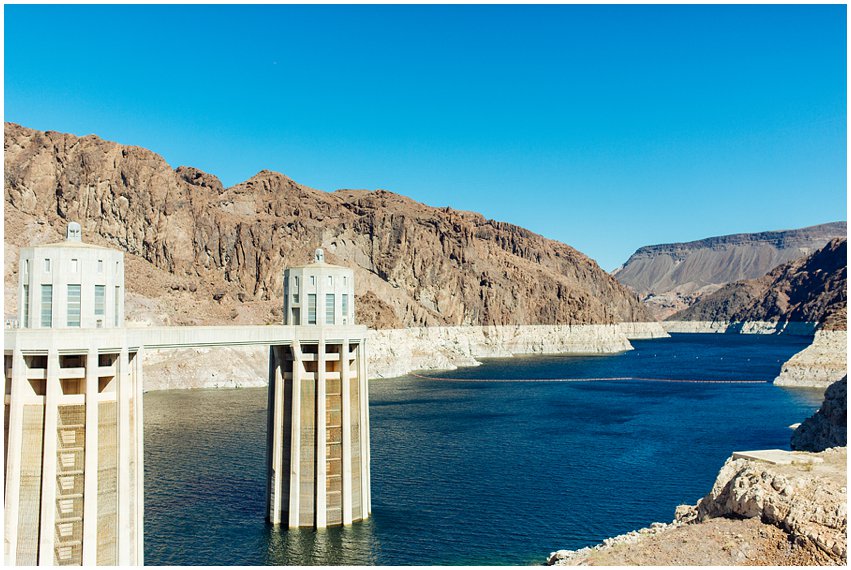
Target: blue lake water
pixel 479 472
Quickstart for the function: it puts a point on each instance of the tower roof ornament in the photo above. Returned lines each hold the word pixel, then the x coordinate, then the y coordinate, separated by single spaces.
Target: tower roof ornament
pixel 74 232
pixel 319 255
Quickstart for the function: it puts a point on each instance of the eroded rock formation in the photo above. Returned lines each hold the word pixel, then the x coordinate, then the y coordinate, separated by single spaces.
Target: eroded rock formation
pixel 808 501
pixel 828 427
pixel 200 253
pixel 819 365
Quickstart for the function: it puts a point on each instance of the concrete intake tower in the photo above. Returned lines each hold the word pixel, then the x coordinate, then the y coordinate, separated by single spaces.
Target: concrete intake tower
pixel 73 421
pixel 318 436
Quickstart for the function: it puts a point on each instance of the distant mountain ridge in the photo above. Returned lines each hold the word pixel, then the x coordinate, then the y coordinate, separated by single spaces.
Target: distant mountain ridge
pixel 811 289
pixel 670 277
pixel 781 239
pixel 200 253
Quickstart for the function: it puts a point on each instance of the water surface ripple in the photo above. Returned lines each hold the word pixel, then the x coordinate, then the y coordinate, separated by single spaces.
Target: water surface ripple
pixel 479 472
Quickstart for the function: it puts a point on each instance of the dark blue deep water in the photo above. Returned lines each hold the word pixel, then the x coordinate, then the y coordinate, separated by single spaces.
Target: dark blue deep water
pixel 479 472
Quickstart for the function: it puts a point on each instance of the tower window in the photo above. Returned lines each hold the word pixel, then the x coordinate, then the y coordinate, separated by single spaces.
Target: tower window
pixel 100 266
pixel 47 266
pixel 330 281
pixel 26 316
pixel 311 308
pixel 75 266
pixel 100 295
pixel 345 305
pixel 329 309
pixel 47 305
pixel 73 305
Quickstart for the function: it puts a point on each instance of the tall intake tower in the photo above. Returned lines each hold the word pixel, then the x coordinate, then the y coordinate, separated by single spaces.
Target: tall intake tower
pixel 73 429
pixel 73 412
pixel 318 433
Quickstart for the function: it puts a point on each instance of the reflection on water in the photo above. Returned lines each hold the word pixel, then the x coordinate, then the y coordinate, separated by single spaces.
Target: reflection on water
pixel 477 473
pixel 355 545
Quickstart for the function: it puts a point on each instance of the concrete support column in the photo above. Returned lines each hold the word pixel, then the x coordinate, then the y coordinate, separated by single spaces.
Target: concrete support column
pixel 364 404
pixel 321 438
pixel 346 398
pixel 270 437
pixel 276 382
pixel 140 460
pixel 123 494
pixel 295 437
pixel 48 472
pixel 90 492
pixel 362 398
pixel 13 455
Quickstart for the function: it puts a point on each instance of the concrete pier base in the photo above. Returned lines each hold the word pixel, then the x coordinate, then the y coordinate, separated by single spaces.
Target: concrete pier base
pixel 74 468
pixel 317 466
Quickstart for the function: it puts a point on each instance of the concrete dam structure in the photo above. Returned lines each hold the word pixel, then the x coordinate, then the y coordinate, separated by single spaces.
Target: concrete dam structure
pixel 73 421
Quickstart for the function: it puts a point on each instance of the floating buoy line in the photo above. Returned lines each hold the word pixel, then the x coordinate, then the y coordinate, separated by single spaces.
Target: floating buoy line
pixel 603 379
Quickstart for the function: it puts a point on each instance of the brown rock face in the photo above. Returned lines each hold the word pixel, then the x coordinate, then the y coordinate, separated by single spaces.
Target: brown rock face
pixel 811 289
pixel 202 253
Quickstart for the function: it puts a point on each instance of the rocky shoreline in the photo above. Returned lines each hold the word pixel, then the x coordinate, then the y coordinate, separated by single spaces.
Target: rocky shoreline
pixel 757 513
pixel 765 508
pixel 745 327
pixel 819 365
pixel 396 352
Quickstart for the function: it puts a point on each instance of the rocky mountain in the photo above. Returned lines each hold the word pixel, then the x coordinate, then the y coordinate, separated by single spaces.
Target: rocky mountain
pixel 200 253
pixel 811 289
pixel 670 277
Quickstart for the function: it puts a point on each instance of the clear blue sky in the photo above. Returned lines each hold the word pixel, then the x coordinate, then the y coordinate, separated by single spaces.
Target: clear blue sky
pixel 606 127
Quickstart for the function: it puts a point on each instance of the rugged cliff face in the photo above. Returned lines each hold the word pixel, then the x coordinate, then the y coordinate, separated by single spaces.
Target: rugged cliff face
pixel 670 277
pixel 828 427
pixel 202 253
pixel 811 289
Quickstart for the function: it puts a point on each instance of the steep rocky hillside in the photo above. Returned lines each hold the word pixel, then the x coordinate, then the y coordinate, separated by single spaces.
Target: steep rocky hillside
pixel 811 289
pixel 201 253
pixel 670 277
